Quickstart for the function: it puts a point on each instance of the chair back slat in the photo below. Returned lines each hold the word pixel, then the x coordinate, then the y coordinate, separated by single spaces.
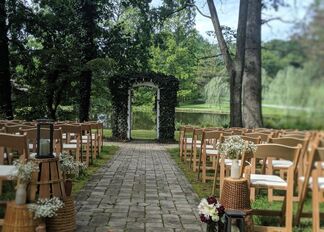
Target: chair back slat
pixel 277 151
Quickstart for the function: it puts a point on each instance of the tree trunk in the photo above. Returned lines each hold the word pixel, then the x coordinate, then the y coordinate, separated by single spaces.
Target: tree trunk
pixel 50 94
pixel 252 71
pixel 234 68
pixel 88 17
pixel 5 84
pixel 85 94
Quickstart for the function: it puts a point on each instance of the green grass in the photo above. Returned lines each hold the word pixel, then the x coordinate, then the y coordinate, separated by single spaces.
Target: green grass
pixel 105 155
pixel 140 134
pixel 224 107
pixel 204 190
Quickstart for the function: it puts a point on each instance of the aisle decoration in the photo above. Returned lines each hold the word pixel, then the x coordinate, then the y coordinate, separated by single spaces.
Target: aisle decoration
pixel 212 213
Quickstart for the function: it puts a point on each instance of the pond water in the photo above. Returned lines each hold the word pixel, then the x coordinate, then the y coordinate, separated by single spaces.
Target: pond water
pixel 147 120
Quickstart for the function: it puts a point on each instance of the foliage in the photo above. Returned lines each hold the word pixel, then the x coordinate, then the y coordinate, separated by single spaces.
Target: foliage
pixel 217 90
pixel 297 87
pixel 46 207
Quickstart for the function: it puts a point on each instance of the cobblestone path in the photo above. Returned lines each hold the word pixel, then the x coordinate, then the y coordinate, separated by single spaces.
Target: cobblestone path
pixel 140 189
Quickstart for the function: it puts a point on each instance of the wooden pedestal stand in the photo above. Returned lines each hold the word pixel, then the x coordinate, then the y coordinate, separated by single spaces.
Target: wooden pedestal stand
pixel 49 182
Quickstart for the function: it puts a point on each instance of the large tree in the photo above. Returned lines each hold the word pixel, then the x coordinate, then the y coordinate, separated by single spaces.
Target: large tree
pixel 88 11
pixel 234 65
pixel 5 84
pixel 251 87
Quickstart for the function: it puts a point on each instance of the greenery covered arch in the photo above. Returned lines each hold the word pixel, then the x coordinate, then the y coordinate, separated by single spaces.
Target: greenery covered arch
pixel 120 87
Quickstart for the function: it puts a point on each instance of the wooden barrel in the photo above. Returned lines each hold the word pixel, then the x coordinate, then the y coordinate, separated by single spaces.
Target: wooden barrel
pixel 18 219
pixel 65 219
pixel 49 182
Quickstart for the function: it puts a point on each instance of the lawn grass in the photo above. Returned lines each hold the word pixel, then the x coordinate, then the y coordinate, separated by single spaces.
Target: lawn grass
pixel 224 108
pixel 106 154
pixel 204 190
pixel 140 134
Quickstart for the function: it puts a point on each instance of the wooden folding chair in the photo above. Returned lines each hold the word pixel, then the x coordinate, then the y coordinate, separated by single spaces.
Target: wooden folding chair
pixel 72 132
pixel 94 139
pixel 196 148
pixel 209 140
pixel 31 135
pixel 186 142
pixel 315 161
pixel 11 144
pixel 275 182
pixel 317 186
pixel 283 165
pixel 264 136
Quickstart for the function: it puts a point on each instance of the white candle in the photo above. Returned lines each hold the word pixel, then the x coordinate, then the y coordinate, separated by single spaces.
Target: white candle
pixel 44 147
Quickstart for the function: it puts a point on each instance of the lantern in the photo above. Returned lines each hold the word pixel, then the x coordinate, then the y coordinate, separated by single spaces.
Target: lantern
pixel 238 217
pixel 45 129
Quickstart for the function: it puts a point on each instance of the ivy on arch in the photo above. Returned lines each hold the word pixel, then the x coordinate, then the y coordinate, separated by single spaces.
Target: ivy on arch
pixel 120 85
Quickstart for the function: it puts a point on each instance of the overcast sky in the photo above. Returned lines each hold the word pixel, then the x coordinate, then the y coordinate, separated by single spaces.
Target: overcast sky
pixel 228 13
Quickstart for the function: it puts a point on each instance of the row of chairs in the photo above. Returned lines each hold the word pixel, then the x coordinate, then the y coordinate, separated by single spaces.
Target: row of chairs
pixel 19 140
pixel 283 159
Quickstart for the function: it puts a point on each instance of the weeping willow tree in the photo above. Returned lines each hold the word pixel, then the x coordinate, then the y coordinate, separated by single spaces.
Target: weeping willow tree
pixel 216 90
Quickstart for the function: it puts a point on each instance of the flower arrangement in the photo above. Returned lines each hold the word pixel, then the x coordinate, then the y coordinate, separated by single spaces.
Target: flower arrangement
pixel 71 167
pixel 210 210
pixel 24 170
pixel 233 146
pixel 46 207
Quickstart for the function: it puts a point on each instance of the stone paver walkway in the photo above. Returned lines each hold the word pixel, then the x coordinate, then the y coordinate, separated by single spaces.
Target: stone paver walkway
pixel 140 189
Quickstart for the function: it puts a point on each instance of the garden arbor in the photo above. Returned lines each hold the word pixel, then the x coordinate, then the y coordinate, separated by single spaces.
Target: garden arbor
pixel 166 100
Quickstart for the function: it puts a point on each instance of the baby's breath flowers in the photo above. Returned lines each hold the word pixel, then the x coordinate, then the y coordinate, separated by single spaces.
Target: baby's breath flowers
pixel 24 170
pixel 46 207
pixel 71 167
pixel 233 146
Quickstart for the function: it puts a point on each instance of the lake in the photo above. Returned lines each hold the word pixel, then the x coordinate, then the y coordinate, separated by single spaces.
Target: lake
pixel 147 120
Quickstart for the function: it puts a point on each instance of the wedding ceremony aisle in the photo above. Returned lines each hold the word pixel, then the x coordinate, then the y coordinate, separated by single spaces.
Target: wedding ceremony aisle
pixel 140 189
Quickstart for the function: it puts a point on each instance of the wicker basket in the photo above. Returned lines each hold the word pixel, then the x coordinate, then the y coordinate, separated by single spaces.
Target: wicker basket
pixel 236 194
pixel 65 219
pixel 18 219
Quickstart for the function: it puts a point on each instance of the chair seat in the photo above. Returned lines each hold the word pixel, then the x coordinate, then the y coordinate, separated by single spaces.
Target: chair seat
pixel 267 180
pixel 69 146
pixel 310 184
pixel 207 146
pixel 211 152
pixel 7 171
pixel 86 137
pixel 189 141
pixel 322 164
pixel 279 163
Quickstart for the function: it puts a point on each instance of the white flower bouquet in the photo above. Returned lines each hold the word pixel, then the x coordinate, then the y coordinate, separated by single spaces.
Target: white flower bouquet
pixel 71 167
pixel 24 170
pixel 233 146
pixel 46 207
pixel 210 210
